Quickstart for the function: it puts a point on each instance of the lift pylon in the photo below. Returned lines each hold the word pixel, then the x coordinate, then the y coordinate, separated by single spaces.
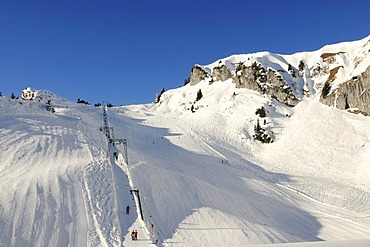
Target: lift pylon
pixel 113 141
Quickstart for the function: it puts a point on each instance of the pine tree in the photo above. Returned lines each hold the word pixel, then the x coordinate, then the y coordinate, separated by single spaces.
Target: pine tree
pixel 49 107
pixel 158 96
pixel 199 95
pixel 290 68
pixel 261 112
pixel 257 127
pixel 301 65
pixel 239 66
pixel 186 81
pixel 261 134
pixel 326 89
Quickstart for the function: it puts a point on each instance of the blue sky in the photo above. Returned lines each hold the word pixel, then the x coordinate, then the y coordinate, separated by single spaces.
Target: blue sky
pixel 125 51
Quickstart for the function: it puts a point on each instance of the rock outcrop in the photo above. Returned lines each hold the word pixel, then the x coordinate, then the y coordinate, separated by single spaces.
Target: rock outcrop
pixel 197 74
pixel 221 73
pixel 254 77
pixel 288 78
pixel 354 94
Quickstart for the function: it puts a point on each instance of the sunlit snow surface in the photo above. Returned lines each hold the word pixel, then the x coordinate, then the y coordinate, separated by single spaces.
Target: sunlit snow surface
pixel 203 180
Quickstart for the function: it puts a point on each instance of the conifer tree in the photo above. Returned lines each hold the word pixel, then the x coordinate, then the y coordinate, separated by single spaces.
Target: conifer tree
pixel 301 65
pixel 158 96
pixel 326 89
pixel 49 107
pixel 261 112
pixel 186 81
pixel 199 95
pixel 290 68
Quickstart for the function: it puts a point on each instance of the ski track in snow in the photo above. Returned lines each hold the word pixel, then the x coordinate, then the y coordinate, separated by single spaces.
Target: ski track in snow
pixel 46 190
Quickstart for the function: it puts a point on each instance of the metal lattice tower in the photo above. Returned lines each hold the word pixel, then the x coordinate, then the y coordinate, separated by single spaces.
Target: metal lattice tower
pixel 112 142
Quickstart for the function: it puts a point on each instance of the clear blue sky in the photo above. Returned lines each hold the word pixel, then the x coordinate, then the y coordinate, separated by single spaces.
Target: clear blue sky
pixel 124 51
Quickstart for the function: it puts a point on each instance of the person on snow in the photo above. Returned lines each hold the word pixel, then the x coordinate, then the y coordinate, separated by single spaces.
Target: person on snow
pixel 133 235
pixel 127 209
pixel 136 234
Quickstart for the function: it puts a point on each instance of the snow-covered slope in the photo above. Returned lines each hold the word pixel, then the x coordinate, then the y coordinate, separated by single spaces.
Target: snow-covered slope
pixel 203 179
pixel 56 182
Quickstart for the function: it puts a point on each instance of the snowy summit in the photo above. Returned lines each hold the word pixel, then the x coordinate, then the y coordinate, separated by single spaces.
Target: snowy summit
pixel 255 149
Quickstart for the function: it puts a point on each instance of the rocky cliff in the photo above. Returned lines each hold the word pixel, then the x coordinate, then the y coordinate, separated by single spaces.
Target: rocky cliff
pixel 339 74
pixel 353 94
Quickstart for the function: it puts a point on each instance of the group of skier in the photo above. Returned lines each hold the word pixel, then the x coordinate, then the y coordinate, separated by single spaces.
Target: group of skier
pixel 134 235
pixel 134 232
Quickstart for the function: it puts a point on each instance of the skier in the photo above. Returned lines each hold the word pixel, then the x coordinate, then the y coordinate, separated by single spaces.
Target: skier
pixel 133 235
pixel 127 209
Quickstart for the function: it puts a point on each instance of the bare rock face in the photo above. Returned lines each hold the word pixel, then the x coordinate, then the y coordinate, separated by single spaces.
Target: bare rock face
pixel 269 82
pixel 197 74
pixel 253 77
pixel 354 93
pixel 279 89
pixel 318 73
pixel 244 78
pixel 221 73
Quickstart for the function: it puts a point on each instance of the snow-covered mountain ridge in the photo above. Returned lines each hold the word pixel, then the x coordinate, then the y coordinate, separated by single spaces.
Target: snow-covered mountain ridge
pixel 339 73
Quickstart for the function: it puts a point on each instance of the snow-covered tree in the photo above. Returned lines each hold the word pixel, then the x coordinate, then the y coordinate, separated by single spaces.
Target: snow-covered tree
pixel 260 134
